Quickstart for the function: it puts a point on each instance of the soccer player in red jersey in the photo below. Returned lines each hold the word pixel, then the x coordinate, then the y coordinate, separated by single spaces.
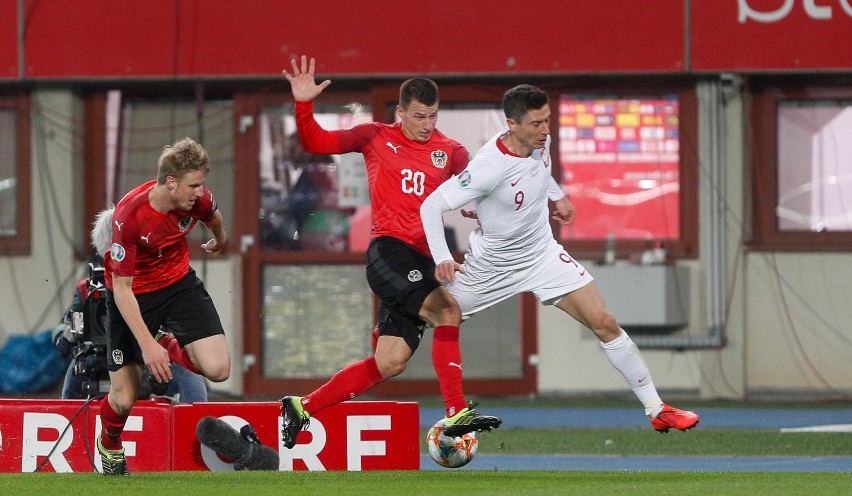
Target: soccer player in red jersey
pixel 405 163
pixel 150 282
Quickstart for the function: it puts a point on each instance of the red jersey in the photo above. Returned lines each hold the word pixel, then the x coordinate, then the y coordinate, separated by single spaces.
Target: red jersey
pixel 401 172
pixel 149 245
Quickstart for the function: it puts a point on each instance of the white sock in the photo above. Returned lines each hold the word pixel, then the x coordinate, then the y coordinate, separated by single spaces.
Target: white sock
pixel 624 355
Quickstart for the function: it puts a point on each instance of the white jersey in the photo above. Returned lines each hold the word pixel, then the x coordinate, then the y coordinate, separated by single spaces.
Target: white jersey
pixel 510 194
pixel 514 249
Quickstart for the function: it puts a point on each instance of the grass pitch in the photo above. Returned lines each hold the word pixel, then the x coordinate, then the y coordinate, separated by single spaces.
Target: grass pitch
pixel 469 483
pixel 641 441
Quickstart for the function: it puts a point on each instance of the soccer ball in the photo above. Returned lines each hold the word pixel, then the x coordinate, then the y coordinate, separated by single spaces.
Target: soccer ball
pixel 451 452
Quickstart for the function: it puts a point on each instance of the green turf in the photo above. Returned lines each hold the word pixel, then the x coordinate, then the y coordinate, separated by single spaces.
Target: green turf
pixel 468 483
pixel 636 441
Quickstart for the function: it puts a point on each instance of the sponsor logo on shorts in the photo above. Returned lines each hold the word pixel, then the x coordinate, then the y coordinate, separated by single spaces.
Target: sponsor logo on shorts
pixel 464 179
pixel 117 357
pixel 117 252
pixel 415 276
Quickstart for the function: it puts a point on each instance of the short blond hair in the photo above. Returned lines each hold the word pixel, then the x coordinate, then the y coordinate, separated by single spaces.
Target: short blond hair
pixel 180 158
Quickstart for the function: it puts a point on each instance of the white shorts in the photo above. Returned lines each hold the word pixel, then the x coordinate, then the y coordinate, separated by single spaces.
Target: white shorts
pixel 552 275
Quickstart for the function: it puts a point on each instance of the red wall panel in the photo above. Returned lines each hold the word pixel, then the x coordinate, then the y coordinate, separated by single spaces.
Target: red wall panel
pixel 68 39
pixel 8 39
pixel 191 38
pixel 803 37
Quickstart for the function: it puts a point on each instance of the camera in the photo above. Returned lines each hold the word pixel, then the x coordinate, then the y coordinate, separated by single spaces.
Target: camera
pixel 82 336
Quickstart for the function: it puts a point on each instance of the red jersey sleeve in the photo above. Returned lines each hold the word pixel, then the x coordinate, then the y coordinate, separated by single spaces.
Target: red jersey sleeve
pixel 125 234
pixel 320 141
pixel 205 206
pixel 460 159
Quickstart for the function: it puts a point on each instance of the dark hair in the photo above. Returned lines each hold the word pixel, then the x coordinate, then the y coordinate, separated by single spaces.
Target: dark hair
pixel 420 89
pixel 178 159
pixel 521 99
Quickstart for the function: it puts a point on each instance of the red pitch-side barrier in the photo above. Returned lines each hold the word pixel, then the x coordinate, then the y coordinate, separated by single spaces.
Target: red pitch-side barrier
pixel 159 436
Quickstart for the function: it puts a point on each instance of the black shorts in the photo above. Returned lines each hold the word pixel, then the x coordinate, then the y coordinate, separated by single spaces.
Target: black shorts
pixel 183 309
pixel 402 278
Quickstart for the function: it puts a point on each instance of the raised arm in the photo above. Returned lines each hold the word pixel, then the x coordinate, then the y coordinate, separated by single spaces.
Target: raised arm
pixel 302 81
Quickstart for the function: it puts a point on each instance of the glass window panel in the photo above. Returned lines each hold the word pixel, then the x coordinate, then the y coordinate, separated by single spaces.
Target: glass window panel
pixel 149 125
pixel 814 166
pixel 312 202
pixel 8 173
pixel 620 161
pixel 316 319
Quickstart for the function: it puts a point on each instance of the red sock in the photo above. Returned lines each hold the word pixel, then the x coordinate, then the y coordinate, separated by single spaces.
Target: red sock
pixel 349 383
pixel 177 354
pixel 112 425
pixel 374 341
pixel 446 358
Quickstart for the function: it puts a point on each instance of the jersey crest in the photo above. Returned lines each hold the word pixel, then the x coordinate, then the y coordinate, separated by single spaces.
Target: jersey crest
pixel 185 223
pixel 439 158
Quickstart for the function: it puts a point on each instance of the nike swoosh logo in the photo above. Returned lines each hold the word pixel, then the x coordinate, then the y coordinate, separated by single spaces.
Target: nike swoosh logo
pixel 513 183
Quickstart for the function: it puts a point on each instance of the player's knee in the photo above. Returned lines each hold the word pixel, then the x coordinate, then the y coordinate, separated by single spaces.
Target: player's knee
pixel 449 314
pixel 218 372
pixel 389 367
pixel 606 328
pixel 122 400
pixel 392 370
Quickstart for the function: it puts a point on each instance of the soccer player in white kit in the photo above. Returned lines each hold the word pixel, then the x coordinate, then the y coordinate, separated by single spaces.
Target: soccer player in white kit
pixel 510 181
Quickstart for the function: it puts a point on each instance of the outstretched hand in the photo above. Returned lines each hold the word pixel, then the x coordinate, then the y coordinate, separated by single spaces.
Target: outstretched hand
pixel 302 80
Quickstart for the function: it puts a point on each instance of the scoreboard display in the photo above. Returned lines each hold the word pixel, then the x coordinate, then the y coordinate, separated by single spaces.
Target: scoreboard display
pixel 620 166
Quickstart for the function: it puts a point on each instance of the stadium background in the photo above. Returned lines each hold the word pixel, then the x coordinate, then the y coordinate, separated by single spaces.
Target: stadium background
pixel 765 311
